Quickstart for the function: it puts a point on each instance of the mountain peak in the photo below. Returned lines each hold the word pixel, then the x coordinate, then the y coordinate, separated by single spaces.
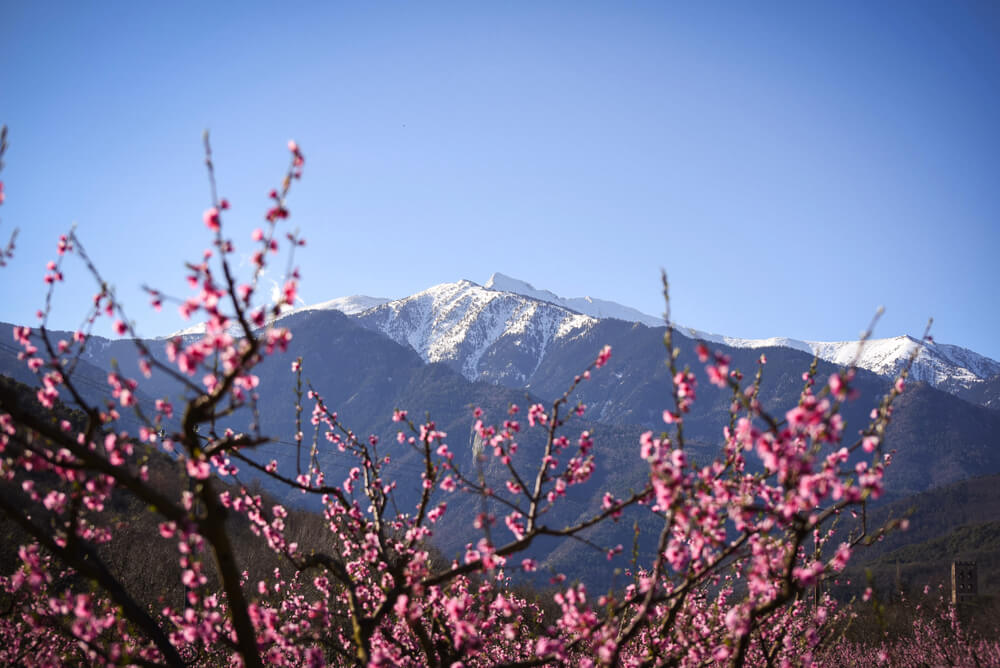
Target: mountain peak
pixel 597 308
pixel 496 278
pixel 466 325
pixel 500 281
pixel 505 283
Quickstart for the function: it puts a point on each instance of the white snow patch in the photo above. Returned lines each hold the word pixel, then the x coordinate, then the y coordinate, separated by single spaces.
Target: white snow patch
pixel 351 305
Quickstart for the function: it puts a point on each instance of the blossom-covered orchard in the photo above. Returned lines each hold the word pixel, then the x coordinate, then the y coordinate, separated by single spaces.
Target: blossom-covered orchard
pixel 743 546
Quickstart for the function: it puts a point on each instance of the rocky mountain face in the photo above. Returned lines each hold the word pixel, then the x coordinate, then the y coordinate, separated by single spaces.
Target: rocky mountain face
pixel 951 368
pixel 500 337
pixel 986 393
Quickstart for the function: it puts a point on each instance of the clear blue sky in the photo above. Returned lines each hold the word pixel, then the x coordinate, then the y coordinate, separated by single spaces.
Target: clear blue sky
pixel 792 166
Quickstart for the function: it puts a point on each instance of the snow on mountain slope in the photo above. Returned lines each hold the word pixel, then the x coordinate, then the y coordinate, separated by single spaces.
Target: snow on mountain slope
pixel 347 305
pixel 947 367
pixel 736 342
pixel 193 330
pixel 941 365
pixel 463 323
pixel 950 368
pixel 598 308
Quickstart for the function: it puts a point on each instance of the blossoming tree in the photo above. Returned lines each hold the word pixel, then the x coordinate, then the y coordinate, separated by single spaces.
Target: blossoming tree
pixel 744 539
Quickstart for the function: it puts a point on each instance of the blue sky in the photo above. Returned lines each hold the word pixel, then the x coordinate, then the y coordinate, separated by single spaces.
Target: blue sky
pixel 792 167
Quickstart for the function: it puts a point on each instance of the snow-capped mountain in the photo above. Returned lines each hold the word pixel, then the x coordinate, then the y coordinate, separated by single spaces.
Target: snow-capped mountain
pixel 948 367
pixel 501 331
pixel 944 366
pixel 484 334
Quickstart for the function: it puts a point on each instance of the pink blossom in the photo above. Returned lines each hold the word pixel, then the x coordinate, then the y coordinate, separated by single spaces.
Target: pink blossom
pixel 198 468
pixel 603 357
pixel 211 218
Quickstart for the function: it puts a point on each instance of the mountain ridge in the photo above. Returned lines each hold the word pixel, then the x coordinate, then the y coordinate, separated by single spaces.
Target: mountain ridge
pixel 949 367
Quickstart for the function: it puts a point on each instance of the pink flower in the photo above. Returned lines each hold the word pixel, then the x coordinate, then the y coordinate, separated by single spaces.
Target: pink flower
pixel 289 291
pixel 211 218
pixel 164 407
pixel 837 386
pixel 715 377
pixel 839 561
pixel 537 415
pixel 198 468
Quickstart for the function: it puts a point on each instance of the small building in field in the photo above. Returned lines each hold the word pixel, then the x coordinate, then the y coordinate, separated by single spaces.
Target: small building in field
pixel 964 581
